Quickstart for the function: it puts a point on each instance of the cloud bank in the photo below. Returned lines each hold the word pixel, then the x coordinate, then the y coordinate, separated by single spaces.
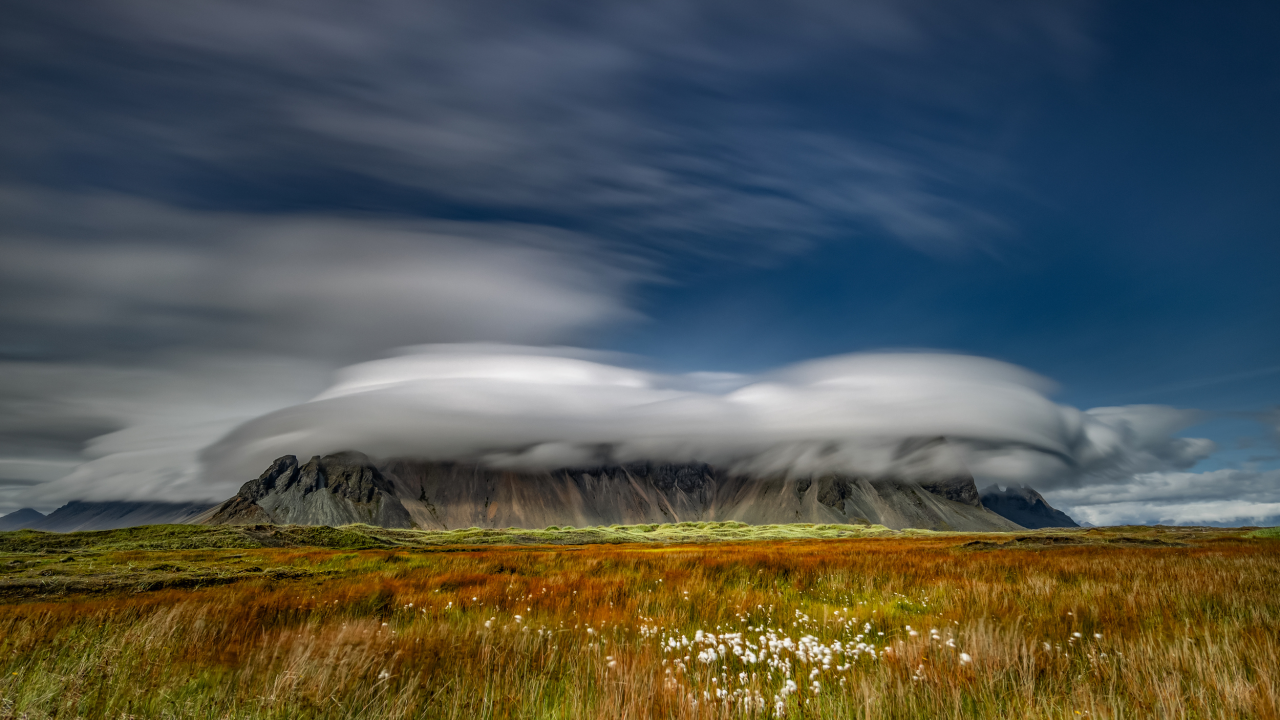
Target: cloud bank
pixel 1227 497
pixel 133 333
pixel 872 414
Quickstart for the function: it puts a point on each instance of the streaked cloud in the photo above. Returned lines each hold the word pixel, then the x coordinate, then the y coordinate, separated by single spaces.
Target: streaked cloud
pixel 695 127
pixel 871 414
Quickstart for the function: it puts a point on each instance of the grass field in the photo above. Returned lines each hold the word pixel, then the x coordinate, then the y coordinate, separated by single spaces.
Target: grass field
pixel 697 621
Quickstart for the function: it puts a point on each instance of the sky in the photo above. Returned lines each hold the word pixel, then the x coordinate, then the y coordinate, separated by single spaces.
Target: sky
pixel 213 216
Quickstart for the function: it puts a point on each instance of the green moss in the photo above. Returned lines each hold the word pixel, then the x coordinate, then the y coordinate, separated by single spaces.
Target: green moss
pixel 145 537
pixel 363 537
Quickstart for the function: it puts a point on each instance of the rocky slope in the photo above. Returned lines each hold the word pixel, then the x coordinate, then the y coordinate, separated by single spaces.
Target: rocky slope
pixel 333 490
pixel 1025 506
pixel 349 487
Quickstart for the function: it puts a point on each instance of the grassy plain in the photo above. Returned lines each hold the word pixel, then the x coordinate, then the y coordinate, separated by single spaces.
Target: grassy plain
pixel 694 621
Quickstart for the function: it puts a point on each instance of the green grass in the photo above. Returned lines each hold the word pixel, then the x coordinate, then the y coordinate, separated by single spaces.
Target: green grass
pixel 356 537
pixel 365 537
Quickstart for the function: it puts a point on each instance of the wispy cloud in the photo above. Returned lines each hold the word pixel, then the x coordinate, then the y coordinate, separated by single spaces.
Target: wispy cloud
pixel 137 333
pixel 680 125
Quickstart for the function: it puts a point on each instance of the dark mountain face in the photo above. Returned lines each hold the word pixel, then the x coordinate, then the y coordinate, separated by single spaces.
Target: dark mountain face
pixel 1024 506
pixel 21 519
pixel 349 487
pixel 959 489
pixel 339 489
pixel 80 515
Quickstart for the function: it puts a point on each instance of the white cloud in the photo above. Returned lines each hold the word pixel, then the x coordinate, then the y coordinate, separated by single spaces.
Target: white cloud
pixel 1124 441
pixel 1218 497
pixel 868 414
pixel 103 270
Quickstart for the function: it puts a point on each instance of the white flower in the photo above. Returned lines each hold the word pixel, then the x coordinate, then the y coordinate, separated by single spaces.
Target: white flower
pixel 385 674
pixel 965 659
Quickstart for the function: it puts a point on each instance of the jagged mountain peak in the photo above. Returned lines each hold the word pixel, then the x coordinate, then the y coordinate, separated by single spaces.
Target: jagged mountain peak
pixel 350 487
pixel 337 489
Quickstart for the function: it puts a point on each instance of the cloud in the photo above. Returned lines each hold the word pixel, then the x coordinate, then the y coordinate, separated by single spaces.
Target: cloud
pixel 137 333
pixel 1125 441
pixel 160 414
pixel 688 125
pixel 1228 497
pixel 89 275
pixel 867 414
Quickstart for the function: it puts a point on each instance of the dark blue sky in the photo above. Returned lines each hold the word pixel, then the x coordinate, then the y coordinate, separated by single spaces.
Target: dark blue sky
pixel 1088 190
pixel 1143 240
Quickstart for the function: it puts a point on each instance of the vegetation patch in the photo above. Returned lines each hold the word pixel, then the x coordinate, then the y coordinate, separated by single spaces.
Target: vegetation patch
pixel 874 624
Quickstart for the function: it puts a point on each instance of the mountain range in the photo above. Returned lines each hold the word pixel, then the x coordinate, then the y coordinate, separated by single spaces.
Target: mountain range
pixel 350 487
pixel 83 515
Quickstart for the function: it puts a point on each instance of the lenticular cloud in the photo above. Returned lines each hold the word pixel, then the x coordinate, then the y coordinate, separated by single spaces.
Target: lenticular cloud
pixel 913 415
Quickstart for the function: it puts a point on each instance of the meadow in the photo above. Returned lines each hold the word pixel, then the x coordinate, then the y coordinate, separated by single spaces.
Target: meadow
pixel 695 622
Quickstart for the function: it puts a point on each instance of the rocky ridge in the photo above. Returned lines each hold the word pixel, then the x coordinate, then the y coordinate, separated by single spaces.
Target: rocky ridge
pixel 350 487
pixel 340 489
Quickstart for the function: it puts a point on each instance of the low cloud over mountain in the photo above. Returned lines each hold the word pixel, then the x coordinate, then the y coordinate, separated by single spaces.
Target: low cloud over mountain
pixel 910 415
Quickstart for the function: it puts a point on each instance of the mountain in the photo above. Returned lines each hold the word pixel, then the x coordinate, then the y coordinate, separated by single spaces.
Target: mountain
pixel 350 487
pixel 20 519
pixel 80 515
pixel 1024 506
pixel 337 489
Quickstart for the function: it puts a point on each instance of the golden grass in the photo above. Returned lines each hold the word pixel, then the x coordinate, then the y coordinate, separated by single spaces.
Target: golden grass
pixel 1189 631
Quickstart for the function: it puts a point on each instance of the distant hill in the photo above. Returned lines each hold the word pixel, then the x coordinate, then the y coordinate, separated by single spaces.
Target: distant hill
pixel 1024 506
pixel 83 515
pixel 21 519
pixel 351 488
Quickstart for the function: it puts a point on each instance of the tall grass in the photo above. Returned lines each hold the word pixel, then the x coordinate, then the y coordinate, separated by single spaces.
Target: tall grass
pixel 613 632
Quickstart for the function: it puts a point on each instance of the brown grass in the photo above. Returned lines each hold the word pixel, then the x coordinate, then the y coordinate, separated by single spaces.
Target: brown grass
pixel 1186 632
